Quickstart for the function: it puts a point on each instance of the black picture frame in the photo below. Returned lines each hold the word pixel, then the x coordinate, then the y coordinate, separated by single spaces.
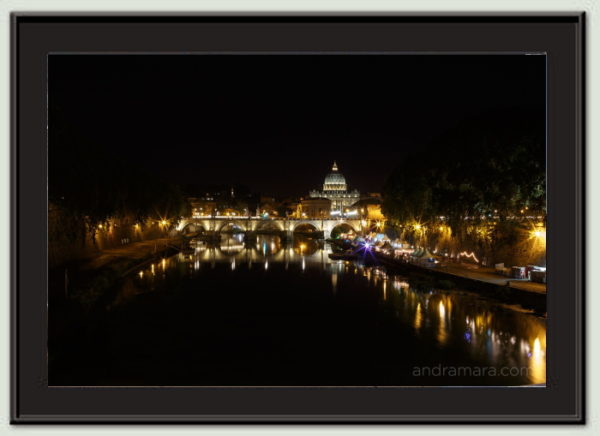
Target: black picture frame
pixel 560 35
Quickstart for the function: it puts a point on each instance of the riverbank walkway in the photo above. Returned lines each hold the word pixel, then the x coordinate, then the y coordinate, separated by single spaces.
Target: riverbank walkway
pixel 489 275
pixel 129 252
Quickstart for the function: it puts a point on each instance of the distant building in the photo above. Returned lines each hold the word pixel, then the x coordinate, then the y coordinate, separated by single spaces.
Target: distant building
pixel 315 208
pixel 290 207
pixel 336 190
pixel 203 206
pixel 268 205
pixel 369 208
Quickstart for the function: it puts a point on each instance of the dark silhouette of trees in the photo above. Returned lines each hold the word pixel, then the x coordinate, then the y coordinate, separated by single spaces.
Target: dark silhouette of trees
pixel 94 183
pixel 486 173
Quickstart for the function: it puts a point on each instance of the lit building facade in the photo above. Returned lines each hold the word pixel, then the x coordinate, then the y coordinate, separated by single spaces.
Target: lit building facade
pixel 314 207
pixel 336 190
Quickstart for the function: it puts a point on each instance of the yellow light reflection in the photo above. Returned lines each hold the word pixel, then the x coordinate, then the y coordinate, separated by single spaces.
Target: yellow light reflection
pixel 537 361
pixel 442 335
pixel 418 317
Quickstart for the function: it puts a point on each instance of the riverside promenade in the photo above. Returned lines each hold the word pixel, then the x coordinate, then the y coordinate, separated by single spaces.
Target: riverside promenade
pixel 468 271
pixel 489 275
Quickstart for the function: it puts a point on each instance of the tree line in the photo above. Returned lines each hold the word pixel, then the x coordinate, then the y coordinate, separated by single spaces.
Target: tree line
pixel 93 183
pixel 478 181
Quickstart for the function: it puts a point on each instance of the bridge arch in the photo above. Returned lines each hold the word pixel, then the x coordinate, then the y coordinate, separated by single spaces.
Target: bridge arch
pixel 232 227
pixel 192 227
pixel 340 228
pixel 305 227
pixel 269 225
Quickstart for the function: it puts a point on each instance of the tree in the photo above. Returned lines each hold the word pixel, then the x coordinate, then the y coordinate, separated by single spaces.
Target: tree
pixel 486 169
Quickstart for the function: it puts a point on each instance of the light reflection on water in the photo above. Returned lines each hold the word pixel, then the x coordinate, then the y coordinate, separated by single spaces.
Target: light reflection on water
pixel 460 322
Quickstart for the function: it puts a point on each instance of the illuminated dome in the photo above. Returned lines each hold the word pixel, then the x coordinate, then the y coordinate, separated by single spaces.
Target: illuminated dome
pixel 334 181
pixel 336 191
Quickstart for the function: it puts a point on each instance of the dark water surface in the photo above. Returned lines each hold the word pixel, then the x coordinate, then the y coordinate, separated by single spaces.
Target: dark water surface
pixel 266 313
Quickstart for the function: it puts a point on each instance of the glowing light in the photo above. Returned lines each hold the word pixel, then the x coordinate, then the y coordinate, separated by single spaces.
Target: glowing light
pixel 266 265
pixel 442 310
pixel 99 226
pixel 163 263
pixel 471 255
pixel 539 233
pixel 141 274
pixel 164 222
pixel 152 269
pixel 418 226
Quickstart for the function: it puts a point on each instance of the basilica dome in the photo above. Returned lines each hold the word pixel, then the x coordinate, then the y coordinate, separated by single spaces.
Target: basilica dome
pixel 334 181
pixel 336 191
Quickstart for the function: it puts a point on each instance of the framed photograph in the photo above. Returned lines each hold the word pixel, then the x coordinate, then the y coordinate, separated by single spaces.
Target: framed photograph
pixel 297 219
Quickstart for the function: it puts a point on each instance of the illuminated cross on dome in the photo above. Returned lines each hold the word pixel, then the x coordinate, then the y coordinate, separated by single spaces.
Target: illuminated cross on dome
pixel 334 167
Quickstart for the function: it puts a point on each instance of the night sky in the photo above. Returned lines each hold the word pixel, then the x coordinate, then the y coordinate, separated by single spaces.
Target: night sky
pixel 276 122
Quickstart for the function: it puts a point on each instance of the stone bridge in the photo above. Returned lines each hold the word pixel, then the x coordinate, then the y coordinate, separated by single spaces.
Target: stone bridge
pixel 288 226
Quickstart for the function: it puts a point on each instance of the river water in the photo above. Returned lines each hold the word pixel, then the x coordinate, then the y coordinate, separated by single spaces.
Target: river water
pixel 268 313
